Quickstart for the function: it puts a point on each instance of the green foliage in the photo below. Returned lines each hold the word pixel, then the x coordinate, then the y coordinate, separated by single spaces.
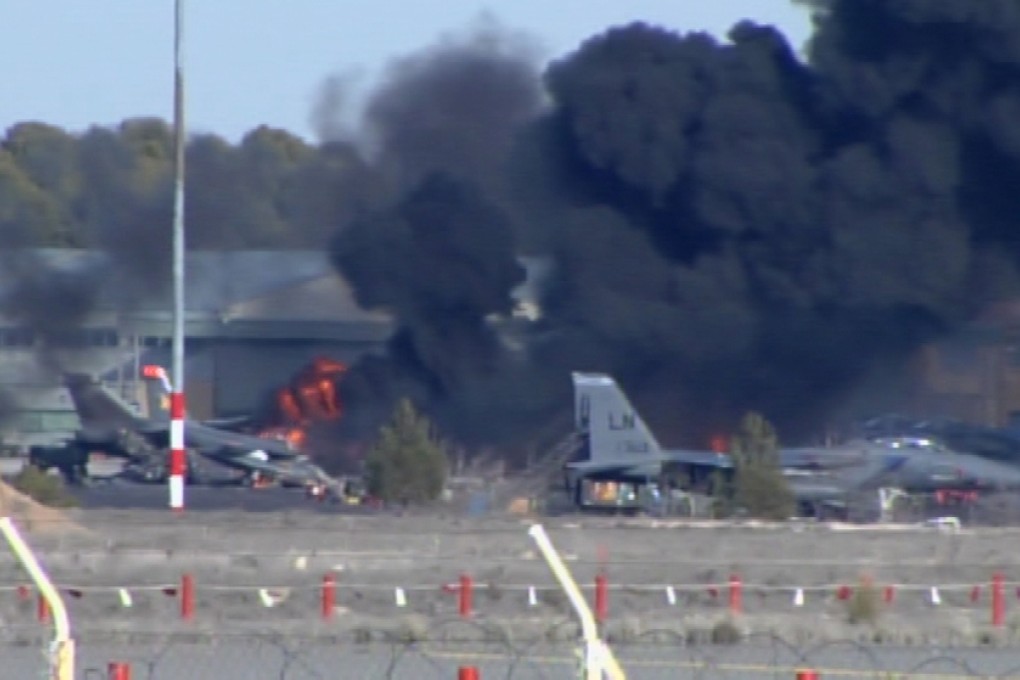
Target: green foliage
pixel 43 488
pixel 271 190
pixel 758 486
pixel 407 465
pixel 864 605
pixel 725 633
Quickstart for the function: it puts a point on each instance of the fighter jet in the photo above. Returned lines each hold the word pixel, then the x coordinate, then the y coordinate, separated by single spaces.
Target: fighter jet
pixel 621 448
pixel 999 444
pixel 107 421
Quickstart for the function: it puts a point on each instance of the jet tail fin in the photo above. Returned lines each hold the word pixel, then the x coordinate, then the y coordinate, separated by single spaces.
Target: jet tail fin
pixel 96 405
pixel 604 414
pixel 157 390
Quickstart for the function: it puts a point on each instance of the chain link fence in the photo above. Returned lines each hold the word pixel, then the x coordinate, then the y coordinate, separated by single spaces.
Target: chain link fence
pixel 438 653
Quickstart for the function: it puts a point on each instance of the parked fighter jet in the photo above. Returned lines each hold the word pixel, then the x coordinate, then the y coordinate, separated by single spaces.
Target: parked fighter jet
pixel 1000 444
pixel 621 448
pixel 106 420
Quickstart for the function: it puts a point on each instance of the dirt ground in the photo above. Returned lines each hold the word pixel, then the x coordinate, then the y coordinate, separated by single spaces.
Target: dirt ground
pixel 264 571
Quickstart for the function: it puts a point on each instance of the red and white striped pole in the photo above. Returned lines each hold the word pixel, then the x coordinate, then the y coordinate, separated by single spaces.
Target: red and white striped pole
pixel 177 455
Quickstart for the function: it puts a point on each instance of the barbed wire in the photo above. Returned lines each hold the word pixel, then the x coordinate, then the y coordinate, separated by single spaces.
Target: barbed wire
pixel 436 652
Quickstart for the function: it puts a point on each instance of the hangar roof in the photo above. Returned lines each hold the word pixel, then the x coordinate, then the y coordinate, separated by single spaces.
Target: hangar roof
pixel 246 293
pixel 213 279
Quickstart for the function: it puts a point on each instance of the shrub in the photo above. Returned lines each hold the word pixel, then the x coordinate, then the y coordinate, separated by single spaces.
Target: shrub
pixel 725 633
pixel 408 465
pixel 759 487
pixel 864 605
pixel 43 488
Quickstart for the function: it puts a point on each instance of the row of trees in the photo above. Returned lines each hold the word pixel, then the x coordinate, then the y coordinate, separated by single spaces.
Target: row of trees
pixel 271 190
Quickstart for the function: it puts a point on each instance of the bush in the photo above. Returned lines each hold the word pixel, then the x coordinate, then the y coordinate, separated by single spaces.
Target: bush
pixel 43 488
pixel 408 465
pixel 864 605
pixel 725 633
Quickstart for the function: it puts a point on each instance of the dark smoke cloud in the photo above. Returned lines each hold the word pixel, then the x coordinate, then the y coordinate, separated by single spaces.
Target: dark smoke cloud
pixel 122 201
pixel 390 259
pixel 453 107
pixel 334 106
pixel 730 227
pixel 803 235
pixel 127 203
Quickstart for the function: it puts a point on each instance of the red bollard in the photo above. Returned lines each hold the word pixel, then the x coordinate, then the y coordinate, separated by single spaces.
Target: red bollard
pixel 118 670
pixel 464 596
pixel 468 673
pixel 328 596
pixel 736 595
pixel 42 609
pixel 187 597
pixel 808 675
pixel 998 600
pixel 601 597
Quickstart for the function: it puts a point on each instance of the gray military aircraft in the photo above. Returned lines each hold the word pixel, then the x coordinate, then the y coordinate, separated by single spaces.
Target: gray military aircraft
pixel 109 424
pixel 621 448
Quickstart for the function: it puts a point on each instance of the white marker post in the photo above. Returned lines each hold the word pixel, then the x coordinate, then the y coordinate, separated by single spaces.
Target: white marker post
pixel 62 649
pixel 598 658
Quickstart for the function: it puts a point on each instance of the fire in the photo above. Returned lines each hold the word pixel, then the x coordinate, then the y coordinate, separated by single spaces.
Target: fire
pixel 310 397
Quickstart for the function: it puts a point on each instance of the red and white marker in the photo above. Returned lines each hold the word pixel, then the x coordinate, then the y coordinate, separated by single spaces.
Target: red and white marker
pixel 177 456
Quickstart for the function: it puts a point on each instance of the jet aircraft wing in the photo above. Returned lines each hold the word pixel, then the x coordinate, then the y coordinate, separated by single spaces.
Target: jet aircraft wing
pixel 105 420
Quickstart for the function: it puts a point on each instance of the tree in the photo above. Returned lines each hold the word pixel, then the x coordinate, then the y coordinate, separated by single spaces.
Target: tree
pixel 408 465
pixel 758 483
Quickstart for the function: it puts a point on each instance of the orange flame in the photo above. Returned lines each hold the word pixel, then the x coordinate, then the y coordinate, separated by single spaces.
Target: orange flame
pixel 310 397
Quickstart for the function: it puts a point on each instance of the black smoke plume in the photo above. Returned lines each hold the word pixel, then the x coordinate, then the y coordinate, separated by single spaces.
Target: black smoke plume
pixel 120 201
pixel 731 227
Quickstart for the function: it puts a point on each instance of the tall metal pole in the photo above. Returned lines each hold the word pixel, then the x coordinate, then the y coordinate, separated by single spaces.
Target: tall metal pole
pixel 177 407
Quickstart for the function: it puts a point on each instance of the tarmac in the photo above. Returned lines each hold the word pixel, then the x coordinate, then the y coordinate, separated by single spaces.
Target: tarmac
pixel 258 558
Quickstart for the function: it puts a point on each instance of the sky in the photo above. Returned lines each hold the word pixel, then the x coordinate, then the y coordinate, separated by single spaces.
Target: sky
pixel 74 63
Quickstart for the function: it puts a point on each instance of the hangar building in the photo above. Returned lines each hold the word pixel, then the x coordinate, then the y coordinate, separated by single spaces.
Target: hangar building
pixel 252 320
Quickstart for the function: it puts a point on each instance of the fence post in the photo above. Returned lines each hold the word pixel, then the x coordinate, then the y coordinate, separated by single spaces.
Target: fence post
pixel 42 609
pixel 601 597
pixel 464 596
pixel 328 596
pixel 736 595
pixel 187 597
pixel 118 670
pixel 468 673
pixel 998 600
